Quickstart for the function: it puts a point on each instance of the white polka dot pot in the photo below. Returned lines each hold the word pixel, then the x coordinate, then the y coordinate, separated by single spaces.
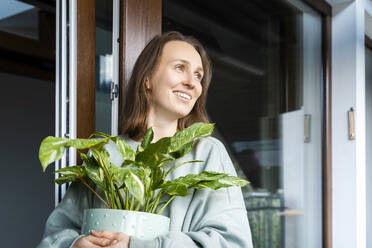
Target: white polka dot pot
pixel 139 224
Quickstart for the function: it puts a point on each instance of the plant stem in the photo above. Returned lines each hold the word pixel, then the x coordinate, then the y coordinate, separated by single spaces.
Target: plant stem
pixel 107 174
pixel 156 203
pixel 131 202
pixel 126 199
pixel 94 192
pixel 161 210
pixel 148 198
pixel 150 206
pixel 138 206
pixel 117 203
pixel 146 205
pixel 120 197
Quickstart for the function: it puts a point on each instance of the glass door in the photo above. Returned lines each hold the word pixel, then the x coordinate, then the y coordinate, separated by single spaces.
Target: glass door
pixel 74 87
pixel 107 65
pixel 265 101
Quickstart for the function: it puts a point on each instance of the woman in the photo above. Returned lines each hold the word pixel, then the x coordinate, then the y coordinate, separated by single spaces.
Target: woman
pixel 167 91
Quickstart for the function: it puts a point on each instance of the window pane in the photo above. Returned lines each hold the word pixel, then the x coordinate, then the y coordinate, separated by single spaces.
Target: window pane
pixel 20 19
pixel 104 64
pixel 264 97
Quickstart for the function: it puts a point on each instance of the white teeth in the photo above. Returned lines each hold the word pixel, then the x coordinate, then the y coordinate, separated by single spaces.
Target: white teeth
pixel 183 95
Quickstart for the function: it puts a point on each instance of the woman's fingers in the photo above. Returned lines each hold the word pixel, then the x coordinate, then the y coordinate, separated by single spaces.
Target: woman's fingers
pixel 104 234
pixel 92 242
pixel 101 241
pixel 118 239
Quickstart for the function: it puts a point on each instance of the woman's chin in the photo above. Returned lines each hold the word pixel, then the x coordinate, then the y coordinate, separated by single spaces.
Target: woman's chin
pixel 182 114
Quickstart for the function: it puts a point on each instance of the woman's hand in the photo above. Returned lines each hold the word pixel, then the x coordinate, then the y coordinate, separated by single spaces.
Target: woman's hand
pixel 91 241
pixel 118 239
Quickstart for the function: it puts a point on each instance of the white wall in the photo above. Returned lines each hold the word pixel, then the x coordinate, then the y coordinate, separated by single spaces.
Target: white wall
pixel 312 75
pixel 27 117
pixel 348 156
pixel 369 144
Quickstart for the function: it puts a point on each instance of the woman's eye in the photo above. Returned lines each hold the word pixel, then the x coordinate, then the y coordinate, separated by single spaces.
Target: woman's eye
pixel 198 76
pixel 179 67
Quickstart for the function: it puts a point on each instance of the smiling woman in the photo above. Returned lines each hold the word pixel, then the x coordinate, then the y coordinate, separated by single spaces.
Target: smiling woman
pixel 174 87
pixel 170 68
pixel 167 91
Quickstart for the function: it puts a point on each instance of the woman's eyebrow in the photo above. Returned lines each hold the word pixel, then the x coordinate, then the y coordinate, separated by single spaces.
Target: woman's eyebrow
pixel 188 63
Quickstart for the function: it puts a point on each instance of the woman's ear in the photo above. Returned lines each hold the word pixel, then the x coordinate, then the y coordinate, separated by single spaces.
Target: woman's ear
pixel 147 83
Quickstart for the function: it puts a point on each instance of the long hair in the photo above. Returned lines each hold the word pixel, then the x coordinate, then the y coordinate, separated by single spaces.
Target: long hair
pixel 137 101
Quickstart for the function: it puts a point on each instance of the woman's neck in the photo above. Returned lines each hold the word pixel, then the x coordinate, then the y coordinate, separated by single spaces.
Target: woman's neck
pixel 162 127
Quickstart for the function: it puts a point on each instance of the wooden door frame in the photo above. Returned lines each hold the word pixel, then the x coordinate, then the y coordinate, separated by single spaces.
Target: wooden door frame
pixel 85 67
pixel 141 20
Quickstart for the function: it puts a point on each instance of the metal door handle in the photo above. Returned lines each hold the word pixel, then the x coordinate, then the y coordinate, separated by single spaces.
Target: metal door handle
pixel 292 212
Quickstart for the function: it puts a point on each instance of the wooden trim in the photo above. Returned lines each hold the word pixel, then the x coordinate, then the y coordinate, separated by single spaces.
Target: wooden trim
pixel 320 5
pixel 140 20
pixel 327 132
pixel 368 42
pixel 85 67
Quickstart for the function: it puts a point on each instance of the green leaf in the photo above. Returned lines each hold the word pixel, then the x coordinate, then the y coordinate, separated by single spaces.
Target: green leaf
pixel 94 171
pixel 182 151
pixel 175 188
pixel 97 133
pixel 206 179
pixel 139 149
pixel 86 143
pixel 154 153
pixel 168 149
pixel 132 176
pixel 157 176
pixel 124 149
pixel 189 135
pixel 135 186
pixel 69 174
pixel 149 136
pixel 102 157
pixel 64 179
pixel 121 172
pixel 52 148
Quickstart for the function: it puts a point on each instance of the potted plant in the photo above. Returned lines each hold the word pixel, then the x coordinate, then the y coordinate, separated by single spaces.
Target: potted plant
pixel 132 192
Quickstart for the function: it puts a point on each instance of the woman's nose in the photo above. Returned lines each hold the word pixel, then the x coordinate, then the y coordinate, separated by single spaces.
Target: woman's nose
pixel 190 80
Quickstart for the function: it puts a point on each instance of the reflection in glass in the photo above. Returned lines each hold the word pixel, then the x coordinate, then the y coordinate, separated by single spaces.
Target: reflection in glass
pixel 266 78
pixel 20 19
pixel 104 64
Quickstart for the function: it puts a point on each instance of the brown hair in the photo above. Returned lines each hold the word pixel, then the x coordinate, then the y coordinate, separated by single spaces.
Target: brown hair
pixel 137 101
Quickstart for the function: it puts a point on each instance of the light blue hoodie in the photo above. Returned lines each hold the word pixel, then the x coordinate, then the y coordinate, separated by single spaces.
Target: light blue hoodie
pixel 204 218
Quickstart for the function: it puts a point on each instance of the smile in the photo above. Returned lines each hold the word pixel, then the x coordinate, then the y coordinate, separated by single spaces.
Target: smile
pixel 183 96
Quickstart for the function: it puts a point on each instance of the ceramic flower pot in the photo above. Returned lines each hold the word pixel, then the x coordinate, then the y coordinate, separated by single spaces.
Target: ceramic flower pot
pixel 139 224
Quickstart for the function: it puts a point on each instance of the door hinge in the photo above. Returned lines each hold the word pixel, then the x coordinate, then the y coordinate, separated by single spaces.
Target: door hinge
pixel 114 91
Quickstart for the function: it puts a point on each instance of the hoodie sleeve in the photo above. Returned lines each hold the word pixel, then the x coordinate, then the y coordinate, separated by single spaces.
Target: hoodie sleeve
pixel 219 218
pixel 63 226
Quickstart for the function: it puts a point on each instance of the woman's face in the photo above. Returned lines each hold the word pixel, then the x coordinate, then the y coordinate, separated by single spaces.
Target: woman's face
pixel 176 82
